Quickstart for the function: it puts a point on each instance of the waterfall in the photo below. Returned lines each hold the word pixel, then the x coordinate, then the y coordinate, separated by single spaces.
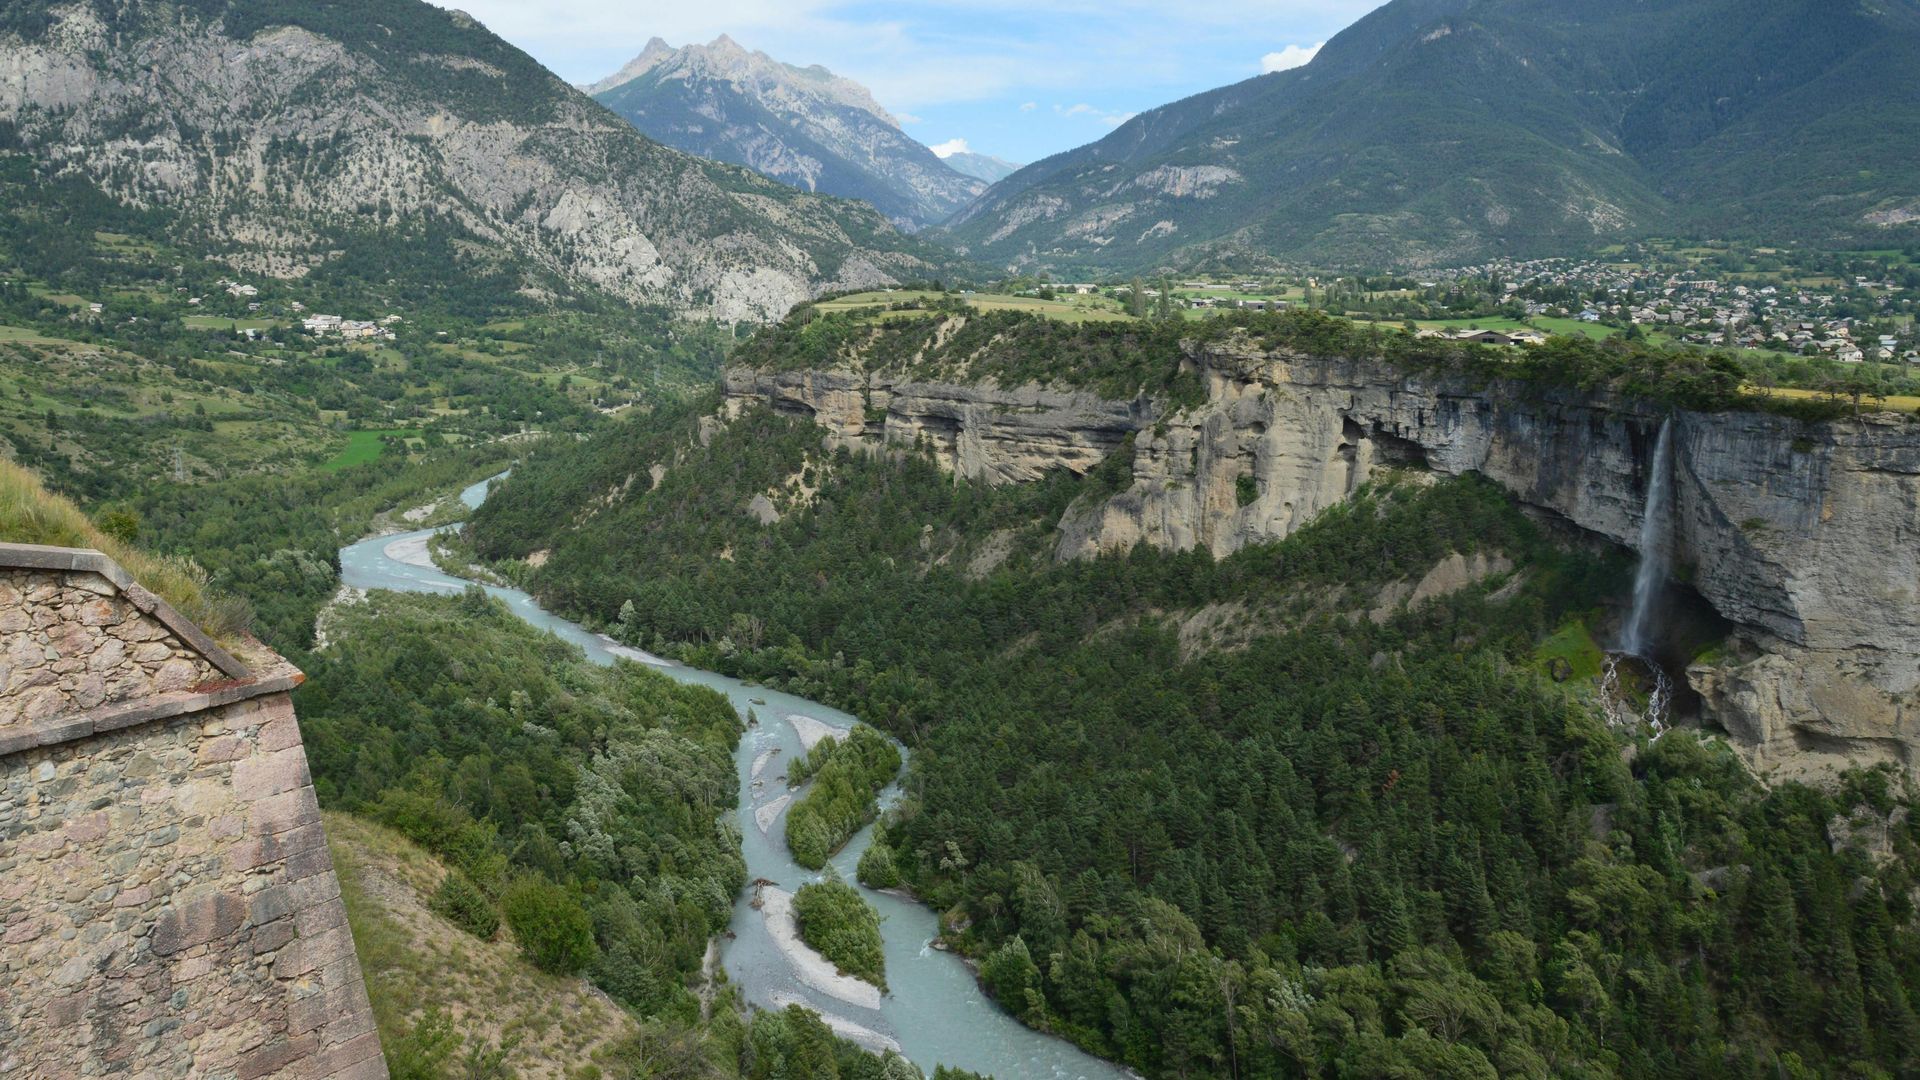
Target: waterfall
pixel 1632 671
pixel 1653 546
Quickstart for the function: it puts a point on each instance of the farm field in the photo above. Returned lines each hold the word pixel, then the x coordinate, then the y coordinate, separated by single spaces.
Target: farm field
pixel 16 335
pixel 1896 403
pixel 1232 294
pixel 221 322
pixel 364 446
pixel 1567 327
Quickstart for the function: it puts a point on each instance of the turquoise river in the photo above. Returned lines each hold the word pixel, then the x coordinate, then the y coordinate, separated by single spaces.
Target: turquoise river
pixel 934 1013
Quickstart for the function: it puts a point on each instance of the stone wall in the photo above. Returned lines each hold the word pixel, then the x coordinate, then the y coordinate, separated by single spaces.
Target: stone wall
pixel 167 903
pixel 74 643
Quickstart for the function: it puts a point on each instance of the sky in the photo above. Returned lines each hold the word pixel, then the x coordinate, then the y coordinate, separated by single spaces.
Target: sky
pixel 1018 79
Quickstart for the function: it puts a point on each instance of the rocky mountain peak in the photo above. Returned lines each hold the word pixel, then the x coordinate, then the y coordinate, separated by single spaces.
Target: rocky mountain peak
pixel 656 53
pixel 804 126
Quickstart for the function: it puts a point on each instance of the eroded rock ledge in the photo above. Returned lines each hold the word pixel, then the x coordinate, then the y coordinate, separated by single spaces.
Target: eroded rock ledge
pixel 1806 538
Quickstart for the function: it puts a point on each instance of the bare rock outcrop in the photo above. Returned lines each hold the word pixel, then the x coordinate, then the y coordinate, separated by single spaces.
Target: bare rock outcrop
pixel 983 432
pixel 1804 537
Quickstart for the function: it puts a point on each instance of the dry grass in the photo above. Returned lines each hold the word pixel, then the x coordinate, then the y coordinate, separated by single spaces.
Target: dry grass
pixel 30 514
pixel 414 960
pixel 1896 403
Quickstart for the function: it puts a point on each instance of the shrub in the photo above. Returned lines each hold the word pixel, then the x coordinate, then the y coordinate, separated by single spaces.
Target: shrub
pixel 551 926
pixel 445 829
pixel 461 903
pixel 876 869
pixel 1011 976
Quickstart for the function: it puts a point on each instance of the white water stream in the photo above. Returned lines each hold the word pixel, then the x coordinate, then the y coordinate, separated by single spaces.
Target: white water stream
pixel 1637 636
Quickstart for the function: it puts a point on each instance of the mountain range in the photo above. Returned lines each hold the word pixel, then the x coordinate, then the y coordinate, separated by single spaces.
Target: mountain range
pixel 979 166
pixel 296 139
pixel 1438 131
pixel 806 127
pixel 286 139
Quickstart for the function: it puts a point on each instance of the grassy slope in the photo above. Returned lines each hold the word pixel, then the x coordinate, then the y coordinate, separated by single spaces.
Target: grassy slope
pixel 30 514
pixel 415 961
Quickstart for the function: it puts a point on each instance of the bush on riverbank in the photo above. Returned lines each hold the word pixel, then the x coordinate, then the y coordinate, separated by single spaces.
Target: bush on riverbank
pixel 877 869
pixel 836 922
pixel 847 776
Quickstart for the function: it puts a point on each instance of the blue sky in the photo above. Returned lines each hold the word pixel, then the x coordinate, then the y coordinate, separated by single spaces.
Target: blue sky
pixel 1019 79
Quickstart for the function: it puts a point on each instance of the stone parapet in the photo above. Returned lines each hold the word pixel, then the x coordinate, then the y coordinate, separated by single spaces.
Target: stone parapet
pixel 167 902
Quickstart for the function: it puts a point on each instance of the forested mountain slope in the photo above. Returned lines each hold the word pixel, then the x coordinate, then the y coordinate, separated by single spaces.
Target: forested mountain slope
pixel 802 126
pixel 288 138
pixel 1436 131
pixel 1275 814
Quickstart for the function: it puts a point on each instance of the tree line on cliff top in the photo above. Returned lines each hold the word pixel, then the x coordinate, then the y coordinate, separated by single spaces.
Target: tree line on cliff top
pixel 1125 358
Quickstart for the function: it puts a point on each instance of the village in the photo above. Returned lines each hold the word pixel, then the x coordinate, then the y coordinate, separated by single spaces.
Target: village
pixel 1849 320
pixel 1849 316
pixel 318 325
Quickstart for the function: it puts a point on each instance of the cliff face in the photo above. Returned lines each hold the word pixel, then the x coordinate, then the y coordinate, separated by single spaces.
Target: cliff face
pixel 1805 538
pixel 980 432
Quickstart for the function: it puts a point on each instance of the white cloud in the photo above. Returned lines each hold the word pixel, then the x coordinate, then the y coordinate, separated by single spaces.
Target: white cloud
pixel 1291 57
pixel 908 118
pixel 1029 106
pixel 1111 119
pixel 950 148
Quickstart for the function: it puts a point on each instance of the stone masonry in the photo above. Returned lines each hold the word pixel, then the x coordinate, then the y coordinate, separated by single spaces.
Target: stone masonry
pixel 167 903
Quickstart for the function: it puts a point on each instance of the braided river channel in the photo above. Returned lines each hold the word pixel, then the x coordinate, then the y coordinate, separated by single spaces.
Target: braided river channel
pixel 934 1012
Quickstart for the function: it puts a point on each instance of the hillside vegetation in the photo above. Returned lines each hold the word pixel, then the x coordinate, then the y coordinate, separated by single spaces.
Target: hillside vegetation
pixel 943 339
pixel 30 514
pixel 410 143
pixel 1438 132
pixel 536 852
pixel 445 1000
pixel 1218 818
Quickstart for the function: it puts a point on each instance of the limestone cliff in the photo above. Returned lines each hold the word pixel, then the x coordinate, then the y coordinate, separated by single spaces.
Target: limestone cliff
pixel 1806 538
pixel 982 432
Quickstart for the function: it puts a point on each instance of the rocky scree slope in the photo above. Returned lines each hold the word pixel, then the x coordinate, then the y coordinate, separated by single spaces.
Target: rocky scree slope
pixel 278 135
pixel 806 127
pixel 1434 132
pixel 1804 537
